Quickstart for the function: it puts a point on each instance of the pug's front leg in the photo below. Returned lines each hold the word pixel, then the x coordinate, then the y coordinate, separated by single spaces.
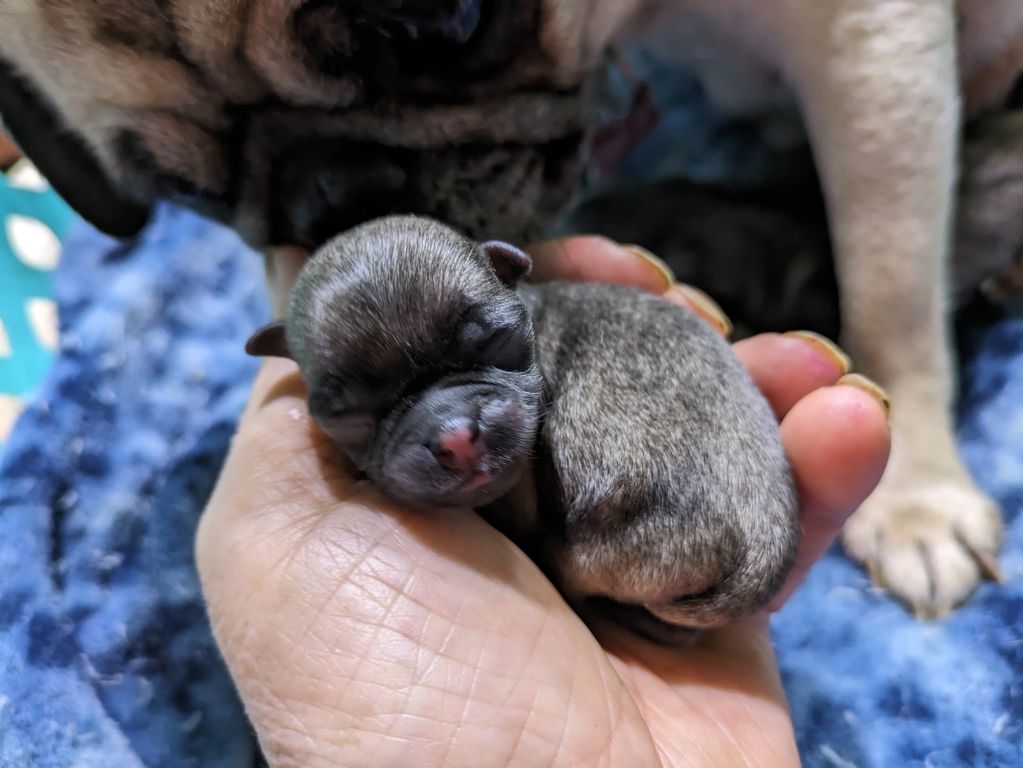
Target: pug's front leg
pixel 878 85
pixel 282 267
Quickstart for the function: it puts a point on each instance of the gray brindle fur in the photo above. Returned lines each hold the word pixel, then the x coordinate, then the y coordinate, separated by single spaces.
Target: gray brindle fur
pixel 665 496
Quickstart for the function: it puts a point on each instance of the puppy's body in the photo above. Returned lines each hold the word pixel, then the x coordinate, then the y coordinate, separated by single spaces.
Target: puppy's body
pixel 674 491
pixel 664 489
pixel 293 121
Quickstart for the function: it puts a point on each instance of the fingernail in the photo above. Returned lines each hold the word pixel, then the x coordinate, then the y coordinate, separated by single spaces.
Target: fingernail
pixel 989 566
pixel 827 346
pixel 862 382
pixel 655 262
pixel 986 561
pixel 875 575
pixel 931 613
pixel 706 305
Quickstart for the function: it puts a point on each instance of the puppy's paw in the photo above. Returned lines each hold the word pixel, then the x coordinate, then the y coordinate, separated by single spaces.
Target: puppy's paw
pixel 928 543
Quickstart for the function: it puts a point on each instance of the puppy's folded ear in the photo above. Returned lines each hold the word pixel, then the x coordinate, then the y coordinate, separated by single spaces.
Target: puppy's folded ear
pixel 269 341
pixel 64 159
pixel 510 263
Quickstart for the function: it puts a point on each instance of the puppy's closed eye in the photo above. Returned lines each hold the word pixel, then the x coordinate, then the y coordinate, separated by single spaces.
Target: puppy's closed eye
pixel 481 345
pixel 343 418
pixel 349 428
pixel 505 348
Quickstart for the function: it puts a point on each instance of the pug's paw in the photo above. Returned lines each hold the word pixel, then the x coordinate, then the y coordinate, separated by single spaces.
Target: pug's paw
pixel 928 542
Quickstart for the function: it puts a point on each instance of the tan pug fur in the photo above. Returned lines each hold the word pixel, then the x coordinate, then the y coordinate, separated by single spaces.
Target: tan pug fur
pixel 201 100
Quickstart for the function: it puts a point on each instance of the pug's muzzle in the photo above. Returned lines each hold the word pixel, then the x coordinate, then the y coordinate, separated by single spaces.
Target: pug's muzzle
pixel 334 112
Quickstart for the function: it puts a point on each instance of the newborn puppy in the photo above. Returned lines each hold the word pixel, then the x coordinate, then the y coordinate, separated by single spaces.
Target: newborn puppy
pixel 419 361
pixel 664 496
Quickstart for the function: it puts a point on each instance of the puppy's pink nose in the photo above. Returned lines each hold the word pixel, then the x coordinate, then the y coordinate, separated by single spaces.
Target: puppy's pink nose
pixel 459 447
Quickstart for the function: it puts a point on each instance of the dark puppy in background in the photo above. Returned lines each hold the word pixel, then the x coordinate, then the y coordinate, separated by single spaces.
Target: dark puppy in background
pixel 664 496
pixel 762 250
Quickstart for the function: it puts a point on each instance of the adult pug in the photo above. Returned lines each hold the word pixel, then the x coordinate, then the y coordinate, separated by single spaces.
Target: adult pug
pixel 293 120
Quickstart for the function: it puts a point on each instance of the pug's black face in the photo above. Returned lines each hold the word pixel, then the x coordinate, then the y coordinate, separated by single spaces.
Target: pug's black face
pixel 410 48
pixel 293 121
pixel 409 60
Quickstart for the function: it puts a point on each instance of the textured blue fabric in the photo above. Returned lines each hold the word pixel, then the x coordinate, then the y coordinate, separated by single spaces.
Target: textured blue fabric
pixel 28 360
pixel 105 653
pixel 869 685
pixel 106 658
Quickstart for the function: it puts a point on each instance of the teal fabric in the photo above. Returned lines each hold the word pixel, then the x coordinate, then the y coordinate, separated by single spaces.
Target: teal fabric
pixel 22 370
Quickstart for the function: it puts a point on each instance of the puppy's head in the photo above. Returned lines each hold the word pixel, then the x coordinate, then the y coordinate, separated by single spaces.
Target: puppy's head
pixel 292 121
pixel 419 359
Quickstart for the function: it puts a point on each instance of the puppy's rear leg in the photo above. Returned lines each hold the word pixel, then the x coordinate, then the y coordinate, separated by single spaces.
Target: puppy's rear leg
pixel 877 82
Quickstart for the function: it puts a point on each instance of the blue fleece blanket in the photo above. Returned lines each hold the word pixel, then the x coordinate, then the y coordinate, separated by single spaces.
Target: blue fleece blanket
pixel 870 686
pixel 106 659
pixel 105 655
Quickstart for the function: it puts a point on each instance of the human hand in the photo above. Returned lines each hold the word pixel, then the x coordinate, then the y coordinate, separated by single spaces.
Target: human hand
pixel 362 633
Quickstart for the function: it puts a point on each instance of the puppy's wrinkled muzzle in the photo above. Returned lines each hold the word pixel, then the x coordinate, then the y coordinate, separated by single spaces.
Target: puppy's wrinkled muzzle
pixel 461 444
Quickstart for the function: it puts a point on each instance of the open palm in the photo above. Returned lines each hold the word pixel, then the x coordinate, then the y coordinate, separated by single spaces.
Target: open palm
pixel 360 633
